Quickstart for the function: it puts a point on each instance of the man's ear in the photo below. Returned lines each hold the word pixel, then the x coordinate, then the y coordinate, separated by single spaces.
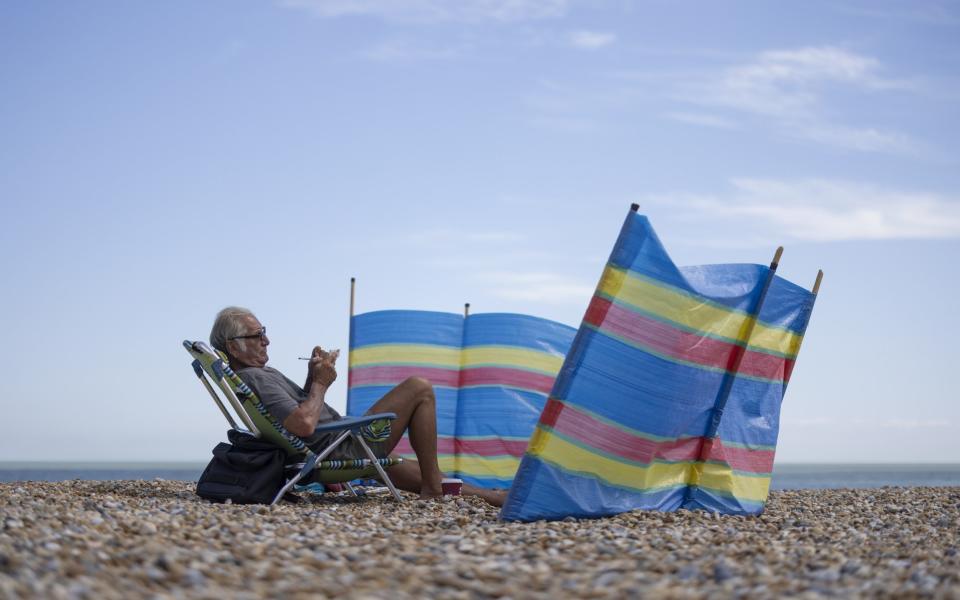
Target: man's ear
pixel 230 349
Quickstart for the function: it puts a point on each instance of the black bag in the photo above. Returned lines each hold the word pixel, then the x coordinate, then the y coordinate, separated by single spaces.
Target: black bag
pixel 246 471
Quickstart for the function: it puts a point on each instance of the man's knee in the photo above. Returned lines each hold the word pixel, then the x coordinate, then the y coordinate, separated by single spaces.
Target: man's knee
pixel 419 386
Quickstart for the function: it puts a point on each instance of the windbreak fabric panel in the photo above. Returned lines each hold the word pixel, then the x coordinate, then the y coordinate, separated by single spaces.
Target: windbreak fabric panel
pixel 670 394
pixel 491 374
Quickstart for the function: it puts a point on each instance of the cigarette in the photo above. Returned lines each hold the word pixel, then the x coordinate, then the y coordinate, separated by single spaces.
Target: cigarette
pixel 334 353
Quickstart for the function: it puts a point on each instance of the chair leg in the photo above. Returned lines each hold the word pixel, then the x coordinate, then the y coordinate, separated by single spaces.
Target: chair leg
pixel 351 488
pixel 307 467
pixel 380 470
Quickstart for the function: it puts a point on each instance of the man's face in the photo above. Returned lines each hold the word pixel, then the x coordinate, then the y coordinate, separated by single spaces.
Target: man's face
pixel 249 349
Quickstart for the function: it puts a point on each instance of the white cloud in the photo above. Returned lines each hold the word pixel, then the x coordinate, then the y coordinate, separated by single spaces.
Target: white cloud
pixel 864 140
pixel 549 288
pixel 702 119
pixel 444 237
pixel 591 40
pixel 400 50
pixel 577 109
pixel 435 11
pixel 789 83
pixel 925 13
pixel 791 89
pixel 827 210
pixel 867 423
pixel 576 125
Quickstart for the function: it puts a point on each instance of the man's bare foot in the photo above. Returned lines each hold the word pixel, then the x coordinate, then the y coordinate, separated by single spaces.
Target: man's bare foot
pixel 493 497
pixel 428 493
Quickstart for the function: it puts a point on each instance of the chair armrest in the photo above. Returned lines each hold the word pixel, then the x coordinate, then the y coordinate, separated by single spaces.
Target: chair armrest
pixel 353 422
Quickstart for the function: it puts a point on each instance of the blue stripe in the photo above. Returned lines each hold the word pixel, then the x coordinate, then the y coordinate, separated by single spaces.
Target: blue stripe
pixel 524 331
pixel 713 501
pixel 787 305
pixel 407 327
pixel 544 491
pixel 499 412
pixel 642 391
pixel 485 482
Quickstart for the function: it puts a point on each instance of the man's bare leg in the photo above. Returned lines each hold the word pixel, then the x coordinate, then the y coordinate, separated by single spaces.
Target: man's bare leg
pixel 406 476
pixel 415 405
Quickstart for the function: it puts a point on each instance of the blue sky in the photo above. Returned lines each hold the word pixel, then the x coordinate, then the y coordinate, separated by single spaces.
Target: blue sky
pixel 159 161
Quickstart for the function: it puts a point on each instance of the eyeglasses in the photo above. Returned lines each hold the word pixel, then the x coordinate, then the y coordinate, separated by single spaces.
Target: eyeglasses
pixel 260 333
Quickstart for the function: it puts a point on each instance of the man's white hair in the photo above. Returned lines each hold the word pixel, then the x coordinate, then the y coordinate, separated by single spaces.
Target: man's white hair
pixel 228 324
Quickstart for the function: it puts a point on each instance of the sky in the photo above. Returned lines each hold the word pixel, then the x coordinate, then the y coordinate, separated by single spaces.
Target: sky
pixel 162 160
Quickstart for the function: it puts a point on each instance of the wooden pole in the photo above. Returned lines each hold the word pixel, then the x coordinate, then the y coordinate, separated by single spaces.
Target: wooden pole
pixel 736 357
pixel 466 310
pixel 816 284
pixel 776 259
pixel 353 287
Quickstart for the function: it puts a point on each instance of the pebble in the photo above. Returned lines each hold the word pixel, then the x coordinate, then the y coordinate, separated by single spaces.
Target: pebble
pixel 156 539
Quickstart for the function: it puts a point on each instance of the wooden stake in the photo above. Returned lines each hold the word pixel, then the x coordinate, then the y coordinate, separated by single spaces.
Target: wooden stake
pixel 466 310
pixel 816 284
pixel 353 285
pixel 736 357
pixel 776 259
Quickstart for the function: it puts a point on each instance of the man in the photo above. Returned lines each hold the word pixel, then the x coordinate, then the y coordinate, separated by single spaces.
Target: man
pixel 238 333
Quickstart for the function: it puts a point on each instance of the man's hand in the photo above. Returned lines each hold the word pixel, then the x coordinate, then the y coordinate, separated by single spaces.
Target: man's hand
pixel 331 355
pixel 322 369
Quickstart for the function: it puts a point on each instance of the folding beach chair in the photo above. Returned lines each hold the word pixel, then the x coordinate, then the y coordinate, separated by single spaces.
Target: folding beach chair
pixel 309 466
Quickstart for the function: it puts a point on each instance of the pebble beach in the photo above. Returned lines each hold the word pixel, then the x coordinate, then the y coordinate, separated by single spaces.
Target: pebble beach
pixel 157 539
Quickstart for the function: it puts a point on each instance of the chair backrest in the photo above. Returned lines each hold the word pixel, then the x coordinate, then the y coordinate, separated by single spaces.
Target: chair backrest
pixel 212 366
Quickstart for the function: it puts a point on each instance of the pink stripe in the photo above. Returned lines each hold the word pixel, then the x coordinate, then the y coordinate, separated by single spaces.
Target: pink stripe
pixel 449 445
pixel 578 425
pixel 507 377
pixel 683 345
pixel 392 375
pixel 445 445
pixel 493 447
pixel 739 459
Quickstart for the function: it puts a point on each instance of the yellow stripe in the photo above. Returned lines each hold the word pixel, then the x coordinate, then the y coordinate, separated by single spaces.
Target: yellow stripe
pixel 511 356
pixel 644 477
pixel 501 467
pixel 694 313
pixel 722 478
pixel 419 354
pixel 445 461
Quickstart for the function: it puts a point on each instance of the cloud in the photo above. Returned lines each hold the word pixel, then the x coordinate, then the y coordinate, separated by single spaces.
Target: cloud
pixel 400 50
pixel 790 89
pixel 821 210
pixel 457 237
pixel 578 109
pixel 790 83
pixel 926 13
pixel 702 119
pixel 591 40
pixel 549 288
pixel 864 140
pixel 867 423
pixel 435 11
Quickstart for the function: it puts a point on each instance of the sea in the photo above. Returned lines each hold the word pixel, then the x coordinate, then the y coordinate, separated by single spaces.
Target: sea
pixel 788 476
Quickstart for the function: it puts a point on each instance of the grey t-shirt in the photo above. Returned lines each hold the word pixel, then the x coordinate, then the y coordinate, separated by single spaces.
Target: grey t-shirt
pixel 281 397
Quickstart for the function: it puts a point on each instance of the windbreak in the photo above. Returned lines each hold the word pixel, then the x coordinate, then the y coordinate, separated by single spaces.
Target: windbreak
pixel 491 374
pixel 669 396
